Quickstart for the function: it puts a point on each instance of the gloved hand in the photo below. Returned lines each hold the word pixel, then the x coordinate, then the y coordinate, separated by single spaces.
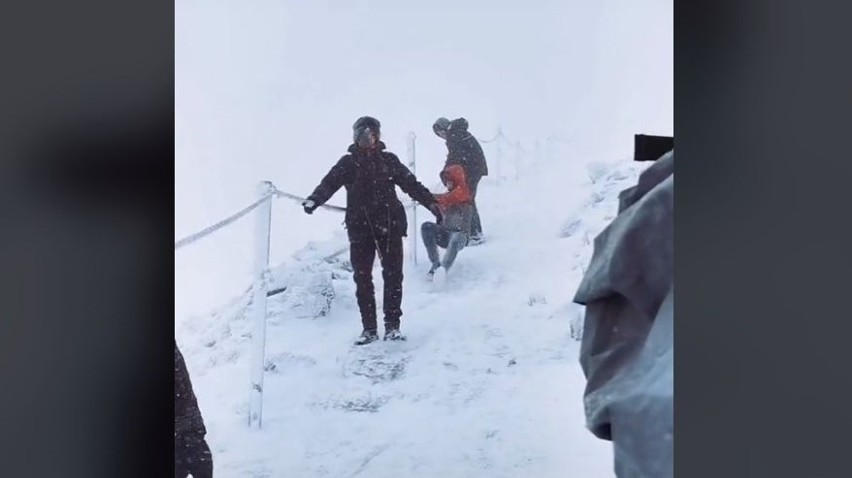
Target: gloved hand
pixel 439 218
pixel 309 206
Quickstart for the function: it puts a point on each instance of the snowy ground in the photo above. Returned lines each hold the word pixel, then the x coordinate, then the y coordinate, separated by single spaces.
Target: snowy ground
pixel 488 384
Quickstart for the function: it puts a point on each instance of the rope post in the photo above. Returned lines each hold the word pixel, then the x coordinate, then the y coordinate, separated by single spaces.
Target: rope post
pixel 413 165
pixel 263 217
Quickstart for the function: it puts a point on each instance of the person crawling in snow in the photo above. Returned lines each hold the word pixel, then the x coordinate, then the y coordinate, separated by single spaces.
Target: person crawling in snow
pixel 456 207
pixel 375 221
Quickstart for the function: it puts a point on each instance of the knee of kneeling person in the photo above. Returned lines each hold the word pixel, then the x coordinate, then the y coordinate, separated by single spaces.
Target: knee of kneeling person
pixel 459 239
pixel 463 242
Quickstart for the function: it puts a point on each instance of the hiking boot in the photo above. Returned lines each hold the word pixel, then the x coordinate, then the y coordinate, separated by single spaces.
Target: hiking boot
pixel 394 334
pixel 475 240
pixel 367 336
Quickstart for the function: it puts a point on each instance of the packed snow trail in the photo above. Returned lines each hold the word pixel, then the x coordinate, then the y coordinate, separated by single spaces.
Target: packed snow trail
pixel 488 383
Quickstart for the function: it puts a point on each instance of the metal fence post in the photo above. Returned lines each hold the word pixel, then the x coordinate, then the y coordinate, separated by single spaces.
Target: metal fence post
pixel 263 219
pixel 413 165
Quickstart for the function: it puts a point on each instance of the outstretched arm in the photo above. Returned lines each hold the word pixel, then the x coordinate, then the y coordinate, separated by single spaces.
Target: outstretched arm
pixel 459 194
pixel 334 180
pixel 409 184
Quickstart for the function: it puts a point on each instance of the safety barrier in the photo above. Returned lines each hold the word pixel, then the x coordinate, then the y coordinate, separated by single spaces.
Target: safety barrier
pixel 258 291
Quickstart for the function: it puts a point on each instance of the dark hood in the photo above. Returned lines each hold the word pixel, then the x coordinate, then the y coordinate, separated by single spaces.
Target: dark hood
pixel 458 129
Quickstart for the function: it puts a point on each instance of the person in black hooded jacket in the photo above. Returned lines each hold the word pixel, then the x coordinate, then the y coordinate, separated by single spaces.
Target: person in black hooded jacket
pixel 463 149
pixel 375 221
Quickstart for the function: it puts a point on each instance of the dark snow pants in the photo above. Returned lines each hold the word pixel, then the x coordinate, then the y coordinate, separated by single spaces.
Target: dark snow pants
pixel 435 235
pixel 476 223
pixel 362 255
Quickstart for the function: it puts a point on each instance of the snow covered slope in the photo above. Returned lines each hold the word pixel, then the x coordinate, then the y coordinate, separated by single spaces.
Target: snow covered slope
pixel 488 383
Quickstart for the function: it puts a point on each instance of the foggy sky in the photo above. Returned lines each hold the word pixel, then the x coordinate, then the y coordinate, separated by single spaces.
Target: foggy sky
pixel 270 89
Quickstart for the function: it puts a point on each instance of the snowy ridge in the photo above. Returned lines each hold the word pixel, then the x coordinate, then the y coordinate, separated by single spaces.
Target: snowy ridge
pixel 488 383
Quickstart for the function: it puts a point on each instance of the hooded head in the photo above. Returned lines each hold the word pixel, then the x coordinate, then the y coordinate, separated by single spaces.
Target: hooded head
pixel 459 193
pixel 366 132
pixel 440 127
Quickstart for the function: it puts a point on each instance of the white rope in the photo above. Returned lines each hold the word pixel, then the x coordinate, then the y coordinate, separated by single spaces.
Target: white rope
pixel 495 138
pixel 282 194
pixel 489 141
pixel 192 238
pixel 219 225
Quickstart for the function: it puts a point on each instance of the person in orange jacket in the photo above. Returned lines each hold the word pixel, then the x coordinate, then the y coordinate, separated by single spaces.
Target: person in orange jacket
pixel 464 149
pixel 453 231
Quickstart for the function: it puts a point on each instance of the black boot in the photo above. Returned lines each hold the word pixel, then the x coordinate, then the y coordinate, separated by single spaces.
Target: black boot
pixel 393 333
pixel 367 336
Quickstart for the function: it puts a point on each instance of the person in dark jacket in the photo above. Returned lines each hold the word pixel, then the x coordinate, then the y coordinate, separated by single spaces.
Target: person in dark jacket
pixel 192 455
pixel 463 149
pixel 375 221
pixel 457 210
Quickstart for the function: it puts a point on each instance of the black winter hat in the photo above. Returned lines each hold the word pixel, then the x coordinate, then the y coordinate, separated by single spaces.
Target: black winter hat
pixel 366 122
pixel 458 124
pixel 360 127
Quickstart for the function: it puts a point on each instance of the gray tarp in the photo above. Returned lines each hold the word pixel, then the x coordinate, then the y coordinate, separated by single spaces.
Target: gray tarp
pixel 627 348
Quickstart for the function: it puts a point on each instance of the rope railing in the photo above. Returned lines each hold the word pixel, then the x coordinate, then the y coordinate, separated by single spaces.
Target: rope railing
pixel 282 194
pixel 277 193
pixel 274 192
pixel 255 296
pixel 219 225
pixel 495 138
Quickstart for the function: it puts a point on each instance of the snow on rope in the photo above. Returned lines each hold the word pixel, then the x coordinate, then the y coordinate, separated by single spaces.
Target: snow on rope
pixel 219 225
pixel 273 191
